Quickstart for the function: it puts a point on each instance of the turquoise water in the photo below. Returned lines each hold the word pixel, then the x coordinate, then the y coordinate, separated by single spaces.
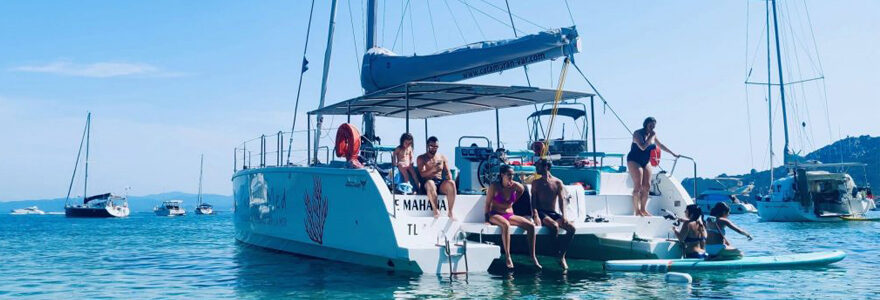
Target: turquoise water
pixel 145 256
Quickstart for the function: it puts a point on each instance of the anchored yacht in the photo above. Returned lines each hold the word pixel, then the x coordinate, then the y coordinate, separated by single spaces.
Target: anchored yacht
pixel 170 208
pixel 203 208
pixel 104 205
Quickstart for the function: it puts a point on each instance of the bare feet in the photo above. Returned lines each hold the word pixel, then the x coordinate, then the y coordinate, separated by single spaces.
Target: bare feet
pixel 563 263
pixel 452 218
pixel 509 263
pixel 646 213
pixel 538 265
pixel 436 214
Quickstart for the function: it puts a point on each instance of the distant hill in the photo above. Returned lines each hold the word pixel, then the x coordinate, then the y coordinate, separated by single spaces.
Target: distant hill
pixel 136 203
pixel 863 149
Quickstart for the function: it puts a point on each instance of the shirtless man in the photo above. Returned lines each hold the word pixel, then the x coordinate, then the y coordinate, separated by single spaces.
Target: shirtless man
pixel 548 192
pixel 432 166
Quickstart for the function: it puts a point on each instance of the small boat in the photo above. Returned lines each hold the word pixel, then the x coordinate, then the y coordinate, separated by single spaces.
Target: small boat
pixel 729 195
pixel 203 208
pixel 104 205
pixel 758 262
pixel 170 208
pixel 33 210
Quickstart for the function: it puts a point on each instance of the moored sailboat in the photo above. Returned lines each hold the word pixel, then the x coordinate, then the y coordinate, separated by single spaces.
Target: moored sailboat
pixel 203 208
pixel 104 205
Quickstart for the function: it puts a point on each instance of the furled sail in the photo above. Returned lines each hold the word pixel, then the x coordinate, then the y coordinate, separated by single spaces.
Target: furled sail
pixel 383 69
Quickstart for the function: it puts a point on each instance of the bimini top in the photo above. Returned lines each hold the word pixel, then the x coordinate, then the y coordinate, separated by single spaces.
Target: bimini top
pixel 440 99
pixel 573 113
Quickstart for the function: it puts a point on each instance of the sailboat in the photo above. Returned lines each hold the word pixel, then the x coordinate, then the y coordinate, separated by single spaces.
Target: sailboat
pixel 808 192
pixel 104 205
pixel 203 208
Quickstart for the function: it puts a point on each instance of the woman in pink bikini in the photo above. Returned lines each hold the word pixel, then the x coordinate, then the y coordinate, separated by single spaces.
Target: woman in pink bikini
pixel 500 197
pixel 402 158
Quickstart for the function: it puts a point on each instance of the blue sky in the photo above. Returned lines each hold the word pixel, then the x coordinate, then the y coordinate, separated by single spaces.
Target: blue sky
pixel 169 80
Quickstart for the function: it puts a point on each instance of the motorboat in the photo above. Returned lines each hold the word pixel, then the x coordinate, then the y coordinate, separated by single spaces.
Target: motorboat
pixel 170 208
pixel 33 210
pixel 733 196
pixel 104 205
pixel 203 208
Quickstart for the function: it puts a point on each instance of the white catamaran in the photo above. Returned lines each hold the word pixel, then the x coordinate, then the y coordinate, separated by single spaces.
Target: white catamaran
pixel 345 210
pixel 104 205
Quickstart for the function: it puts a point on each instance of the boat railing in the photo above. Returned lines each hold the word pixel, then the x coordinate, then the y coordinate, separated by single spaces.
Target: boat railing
pixel 675 163
pixel 272 150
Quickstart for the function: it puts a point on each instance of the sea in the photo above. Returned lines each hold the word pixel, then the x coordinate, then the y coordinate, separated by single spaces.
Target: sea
pixel 149 257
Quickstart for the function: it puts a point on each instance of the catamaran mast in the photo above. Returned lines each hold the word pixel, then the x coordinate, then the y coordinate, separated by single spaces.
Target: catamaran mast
pixel 371 24
pixel 88 134
pixel 781 85
pixel 201 168
pixel 327 52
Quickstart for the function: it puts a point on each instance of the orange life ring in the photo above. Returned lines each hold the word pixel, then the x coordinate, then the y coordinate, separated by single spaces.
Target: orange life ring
pixel 348 143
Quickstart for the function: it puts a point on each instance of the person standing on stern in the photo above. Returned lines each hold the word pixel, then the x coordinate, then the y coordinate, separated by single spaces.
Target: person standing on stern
pixel 644 141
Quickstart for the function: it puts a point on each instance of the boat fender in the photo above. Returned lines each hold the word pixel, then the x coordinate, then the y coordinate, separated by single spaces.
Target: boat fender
pixel 676 277
pixel 655 156
pixel 348 144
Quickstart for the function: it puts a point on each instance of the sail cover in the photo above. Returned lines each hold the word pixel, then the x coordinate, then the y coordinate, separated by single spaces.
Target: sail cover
pixel 384 69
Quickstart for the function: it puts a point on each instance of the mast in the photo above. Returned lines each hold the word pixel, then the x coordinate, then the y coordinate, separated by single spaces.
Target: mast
pixel 76 164
pixel 769 90
pixel 781 85
pixel 201 168
pixel 88 134
pixel 371 24
pixel 327 52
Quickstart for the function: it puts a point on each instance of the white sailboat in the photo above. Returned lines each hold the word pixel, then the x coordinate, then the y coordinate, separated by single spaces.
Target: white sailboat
pixel 203 208
pixel 104 205
pixel 807 193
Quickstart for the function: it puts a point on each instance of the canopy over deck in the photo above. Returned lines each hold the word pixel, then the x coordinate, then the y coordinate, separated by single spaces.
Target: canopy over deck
pixel 573 113
pixel 439 99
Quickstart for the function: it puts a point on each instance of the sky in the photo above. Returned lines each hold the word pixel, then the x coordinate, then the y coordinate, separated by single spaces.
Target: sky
pixel 167 81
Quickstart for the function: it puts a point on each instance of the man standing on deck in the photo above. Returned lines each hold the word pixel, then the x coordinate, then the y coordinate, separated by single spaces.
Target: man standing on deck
pixel 432 166
pixel 548 192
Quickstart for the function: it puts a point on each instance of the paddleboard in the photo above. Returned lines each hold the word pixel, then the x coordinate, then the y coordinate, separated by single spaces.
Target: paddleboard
pixel 859 219
pixel 757 262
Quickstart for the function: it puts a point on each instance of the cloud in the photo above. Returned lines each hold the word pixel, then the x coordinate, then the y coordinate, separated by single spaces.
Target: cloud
pixel 99 69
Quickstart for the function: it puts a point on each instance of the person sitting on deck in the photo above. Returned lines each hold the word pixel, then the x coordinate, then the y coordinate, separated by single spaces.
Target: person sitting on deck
pixel 500 197
pixel 432 166
pixel 548 193
pixel 402 158
pixel 717 246
pixel 693 233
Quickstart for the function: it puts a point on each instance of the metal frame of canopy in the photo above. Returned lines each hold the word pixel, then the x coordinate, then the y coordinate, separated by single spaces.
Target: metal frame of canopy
pixel 425 100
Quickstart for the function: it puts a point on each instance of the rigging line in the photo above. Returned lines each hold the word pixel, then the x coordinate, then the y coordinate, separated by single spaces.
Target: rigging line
pixel 474 18
pixel 570 16
pixel 400 26
pixel 412 30
pixel 518 17
pixel 455 20
pixel 76 165
pixel 431 18
pixel 525 68
pixel 821 71
pixel 748 74
pixel 303 68
pixel 484 13
pixel 604 102
pixel 357 54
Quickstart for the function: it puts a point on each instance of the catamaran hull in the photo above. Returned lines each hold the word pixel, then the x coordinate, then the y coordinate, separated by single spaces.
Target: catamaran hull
pixel 775 211
pixel 591 246
pixel 96 212
pixel 345 215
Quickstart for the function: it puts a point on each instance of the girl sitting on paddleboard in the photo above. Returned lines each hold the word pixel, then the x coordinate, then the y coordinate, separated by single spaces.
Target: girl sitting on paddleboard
pixel 693 233
pixel 717 246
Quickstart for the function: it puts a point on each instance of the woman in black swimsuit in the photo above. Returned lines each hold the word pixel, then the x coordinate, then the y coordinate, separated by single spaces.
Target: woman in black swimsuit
pixel 644 141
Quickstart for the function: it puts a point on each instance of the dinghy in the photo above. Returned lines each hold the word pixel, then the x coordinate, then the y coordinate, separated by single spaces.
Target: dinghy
pixel 757 262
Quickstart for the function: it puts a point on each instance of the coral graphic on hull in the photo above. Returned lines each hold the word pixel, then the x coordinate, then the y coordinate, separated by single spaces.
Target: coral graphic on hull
pixel 316 212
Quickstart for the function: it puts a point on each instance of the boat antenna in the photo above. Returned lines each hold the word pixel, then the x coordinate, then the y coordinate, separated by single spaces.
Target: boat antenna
pixel 201 169
pixel 303 69
pixel 88 134
pixel 76 165
pixel 327 53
